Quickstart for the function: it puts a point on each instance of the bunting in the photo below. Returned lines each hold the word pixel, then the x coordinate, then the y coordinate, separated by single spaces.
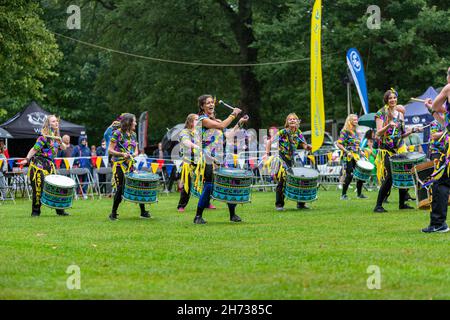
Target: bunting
pixel 140 165
pixel 251 162
pixel 94 160
pixel 66 162
pixel 154 167
pixel 149 162
pixel 160 163
pixel 99 161
pixel 58 163
pixel 71 160
pixel 11 164
pixel 169 168
pixel 177 164
pixel 241 163
pixel 1 164
pixel 235 160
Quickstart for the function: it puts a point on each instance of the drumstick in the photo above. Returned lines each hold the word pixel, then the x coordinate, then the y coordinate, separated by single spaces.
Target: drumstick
pixel 418 100
pixel 226 105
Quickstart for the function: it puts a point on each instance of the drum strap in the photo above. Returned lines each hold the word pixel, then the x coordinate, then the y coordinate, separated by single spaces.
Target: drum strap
pixel 37 178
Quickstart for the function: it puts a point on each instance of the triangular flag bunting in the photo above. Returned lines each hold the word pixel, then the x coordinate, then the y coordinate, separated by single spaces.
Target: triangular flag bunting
pixel 169 168
pixel 11 164
pixel 313 161
pixel 251 162
pixel 66 162
pixel 149 162
pixel 105 161
pixel 98 162
pixel 94 160
pixel 177 163
pixel 71 160
pixel 241 163
pixel 154 167
pixel 58 163
pixel 160 163
pixel 235 160
pixel 140 165
pixel 1 164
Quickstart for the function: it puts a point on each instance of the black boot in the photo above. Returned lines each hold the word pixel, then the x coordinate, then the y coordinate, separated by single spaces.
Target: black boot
pixel 113 216
pixel 198 217
pixel 61 212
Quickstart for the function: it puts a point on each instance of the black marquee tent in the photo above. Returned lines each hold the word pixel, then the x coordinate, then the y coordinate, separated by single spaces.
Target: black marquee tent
pixel 25 127
pixel 28 123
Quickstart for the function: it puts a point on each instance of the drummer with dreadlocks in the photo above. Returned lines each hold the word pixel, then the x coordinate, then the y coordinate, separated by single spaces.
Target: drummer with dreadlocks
pixel 390 133
pixel 209 134
pixel 40 159
pixel 123 148
pixel 440 189
pixel 289 139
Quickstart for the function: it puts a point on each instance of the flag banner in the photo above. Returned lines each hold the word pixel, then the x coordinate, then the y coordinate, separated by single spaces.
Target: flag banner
pixel 11 164
pixel 356 67
pixel 241 163
pixel 235 159
pixel 105 161
pixel 94 161
pixel 177 163
pixel 99 162
pixel 160 163
pixel 1 164
pixel 140 165
pixel 251 162
pixel 71 160
pixel 66 163
pixel 317 104
pixel 149 163
pixel 58 163
pixel 169 168
pixel 154 167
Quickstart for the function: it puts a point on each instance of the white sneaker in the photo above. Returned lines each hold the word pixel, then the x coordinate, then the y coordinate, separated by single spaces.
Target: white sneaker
pixel 340 187
pixel 85 197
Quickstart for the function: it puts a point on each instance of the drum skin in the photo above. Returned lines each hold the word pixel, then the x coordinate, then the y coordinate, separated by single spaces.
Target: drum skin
pixel 301 185
pixel 141 187
pixel 58 192
pixel 232 185
pixel 363 170
pixel 401 168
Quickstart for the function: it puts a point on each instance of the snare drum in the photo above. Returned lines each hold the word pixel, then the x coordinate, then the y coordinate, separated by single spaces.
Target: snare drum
pixel 141 187
pixel 363 170
pixel 232 185
pixel 58 191
pixel 301 184
pixel 401 168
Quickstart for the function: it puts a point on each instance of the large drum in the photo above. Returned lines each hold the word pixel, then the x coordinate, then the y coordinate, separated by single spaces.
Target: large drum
pixel 422 174
pixel 232 185
pixel 301 184
pixel 58 191
pixel 401 168
pixel 141 187
pixel 363 170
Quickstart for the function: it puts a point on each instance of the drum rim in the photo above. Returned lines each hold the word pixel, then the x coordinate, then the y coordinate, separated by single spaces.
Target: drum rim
pixel 156 177
pixel 248 174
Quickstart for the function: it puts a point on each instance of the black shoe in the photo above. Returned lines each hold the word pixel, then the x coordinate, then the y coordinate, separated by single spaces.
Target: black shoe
pixel 113 217
pixel 361 196
pixel 302 206
pixel 35 214
pixel 199 220
pixel 62 213
pixel 145 215
pixel 405 206
pixel 235 218
pixel 379 210
pixel 442 229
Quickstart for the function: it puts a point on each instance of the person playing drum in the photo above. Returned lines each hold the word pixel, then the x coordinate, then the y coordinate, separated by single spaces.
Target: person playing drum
pixel 390 132
pixel 40 159
pixel 189 149
pixel 441 187
pixel 209 134
pixel 289 139
pixel 123 148
pixel 349 143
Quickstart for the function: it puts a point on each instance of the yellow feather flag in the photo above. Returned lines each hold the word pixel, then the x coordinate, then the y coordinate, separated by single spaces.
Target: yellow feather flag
pixel 317 104
pixel 99 162
pixel 154 167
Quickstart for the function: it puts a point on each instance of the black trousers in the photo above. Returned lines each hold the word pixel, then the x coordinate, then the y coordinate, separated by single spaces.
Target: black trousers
pixel 120 183
pixel 37 184
pixel 440 191
pixel 350 167
pixel 387 185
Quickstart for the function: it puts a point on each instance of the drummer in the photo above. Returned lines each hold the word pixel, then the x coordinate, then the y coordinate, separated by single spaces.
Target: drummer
pixel 189 149
pixel 440 108
pixel 349 143
pixel 289 139
pixel 123 148
pixel 209 133
pixel 40 159
pixel 390 132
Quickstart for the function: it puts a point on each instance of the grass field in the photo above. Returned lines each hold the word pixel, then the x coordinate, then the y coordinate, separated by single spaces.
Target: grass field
pixel 321 253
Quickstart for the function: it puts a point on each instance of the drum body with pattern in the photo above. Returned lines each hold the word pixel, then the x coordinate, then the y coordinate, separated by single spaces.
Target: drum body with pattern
pixel 301 184
pixel 232 185
pixel 141 187
pixel 363 170
pixel 401 168
pixel 58 191
pixel 422 174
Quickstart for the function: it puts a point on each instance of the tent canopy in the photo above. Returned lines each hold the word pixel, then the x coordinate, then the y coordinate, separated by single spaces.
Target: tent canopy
pixel 4 134
pixel 28 123
pixel 416 112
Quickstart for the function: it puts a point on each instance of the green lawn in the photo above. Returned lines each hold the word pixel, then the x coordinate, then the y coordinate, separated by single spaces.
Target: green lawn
pixel 321 253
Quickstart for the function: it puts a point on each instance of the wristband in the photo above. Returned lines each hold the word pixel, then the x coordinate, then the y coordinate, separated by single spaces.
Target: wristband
pixel 232 116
